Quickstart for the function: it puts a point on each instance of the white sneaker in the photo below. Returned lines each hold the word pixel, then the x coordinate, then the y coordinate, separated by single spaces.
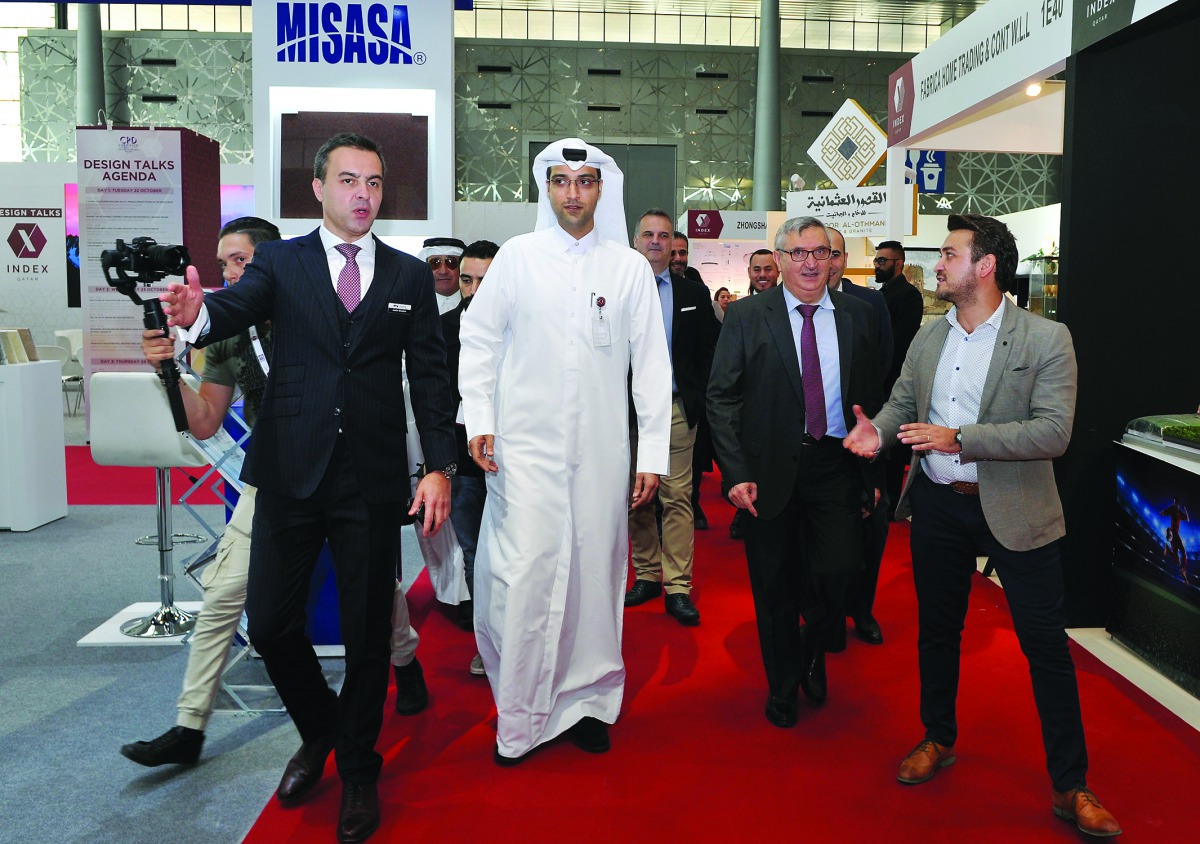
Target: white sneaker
pixel 477 666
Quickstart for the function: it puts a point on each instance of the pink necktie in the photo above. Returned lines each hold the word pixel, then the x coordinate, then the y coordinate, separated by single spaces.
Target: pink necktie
pixel 349 284
pixel 815 422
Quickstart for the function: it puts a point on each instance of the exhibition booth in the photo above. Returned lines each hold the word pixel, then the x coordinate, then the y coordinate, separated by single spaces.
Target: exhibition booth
pixel 1131 558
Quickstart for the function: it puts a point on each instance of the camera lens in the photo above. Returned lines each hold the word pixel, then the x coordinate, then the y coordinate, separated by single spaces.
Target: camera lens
pixel 170 259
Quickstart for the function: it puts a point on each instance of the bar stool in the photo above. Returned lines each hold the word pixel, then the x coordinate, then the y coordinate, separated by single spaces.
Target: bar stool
pixel 131 425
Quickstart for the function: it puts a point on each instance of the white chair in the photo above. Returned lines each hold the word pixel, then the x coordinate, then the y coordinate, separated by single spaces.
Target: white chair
pixel 65 344
pixel 132 426
pixel 57 353
pixel 74 338
pixel 72 386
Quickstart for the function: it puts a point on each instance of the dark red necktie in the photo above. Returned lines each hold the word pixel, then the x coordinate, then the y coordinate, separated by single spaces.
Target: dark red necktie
pixel 815 422
pixel 349 285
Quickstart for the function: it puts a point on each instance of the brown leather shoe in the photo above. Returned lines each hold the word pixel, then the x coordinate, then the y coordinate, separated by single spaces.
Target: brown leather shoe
pixel 923 762
pixel 1081 806
pixel 359 817
pixel 304 770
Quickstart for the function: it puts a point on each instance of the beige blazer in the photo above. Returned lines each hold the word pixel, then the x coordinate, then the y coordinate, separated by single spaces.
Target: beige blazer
pixel 1025 418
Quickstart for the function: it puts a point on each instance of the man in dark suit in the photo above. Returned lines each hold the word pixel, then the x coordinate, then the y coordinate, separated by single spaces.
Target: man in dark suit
pixel 789 365
pixel 860 599
pixel 328 456
pixel 692 329
pixel 905 305
pixel 986 401
pixel 468 489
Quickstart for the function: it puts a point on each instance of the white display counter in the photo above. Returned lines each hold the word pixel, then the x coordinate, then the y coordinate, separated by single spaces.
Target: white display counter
pixel 33 468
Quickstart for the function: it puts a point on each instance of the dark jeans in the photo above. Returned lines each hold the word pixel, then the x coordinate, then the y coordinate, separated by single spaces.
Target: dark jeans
pixel 948 533
pixel 467 496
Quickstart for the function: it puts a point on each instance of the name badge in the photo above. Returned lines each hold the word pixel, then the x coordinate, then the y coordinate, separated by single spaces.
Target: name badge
pixel 601 336
pixel 398 307
pixel 689 308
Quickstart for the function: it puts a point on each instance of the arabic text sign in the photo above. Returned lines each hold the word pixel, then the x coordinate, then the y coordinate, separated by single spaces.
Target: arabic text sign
pixel 855 212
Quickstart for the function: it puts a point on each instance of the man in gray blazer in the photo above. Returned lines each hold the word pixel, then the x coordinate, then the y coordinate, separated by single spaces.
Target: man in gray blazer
pixel 986 399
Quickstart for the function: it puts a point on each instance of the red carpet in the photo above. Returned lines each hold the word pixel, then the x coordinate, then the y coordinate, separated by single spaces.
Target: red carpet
pixel 88 483
pixel 694 760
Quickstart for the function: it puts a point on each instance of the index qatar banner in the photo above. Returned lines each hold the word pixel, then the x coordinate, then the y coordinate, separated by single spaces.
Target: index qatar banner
pixel 985 58
pixel 383 70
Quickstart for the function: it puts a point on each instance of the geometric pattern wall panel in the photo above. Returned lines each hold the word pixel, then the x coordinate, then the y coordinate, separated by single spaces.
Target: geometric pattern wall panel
pixel 699 99
pixel 201 81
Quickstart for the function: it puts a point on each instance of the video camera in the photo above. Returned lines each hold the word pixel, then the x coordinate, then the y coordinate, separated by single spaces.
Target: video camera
pixel 149 261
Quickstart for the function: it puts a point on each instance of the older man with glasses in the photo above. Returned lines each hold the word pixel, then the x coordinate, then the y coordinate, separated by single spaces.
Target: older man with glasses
pixel 789 365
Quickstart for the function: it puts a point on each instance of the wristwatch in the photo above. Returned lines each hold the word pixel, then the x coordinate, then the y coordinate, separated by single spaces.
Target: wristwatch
pixel 958 438
pixel 450 471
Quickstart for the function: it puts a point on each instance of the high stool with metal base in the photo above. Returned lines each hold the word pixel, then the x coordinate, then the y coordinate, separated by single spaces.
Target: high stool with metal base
pixel 131 425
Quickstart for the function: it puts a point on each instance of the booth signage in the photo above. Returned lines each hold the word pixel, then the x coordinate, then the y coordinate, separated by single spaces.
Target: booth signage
pixel 983 58
pixel 1098 19
pixel 850 147
pixel 855 212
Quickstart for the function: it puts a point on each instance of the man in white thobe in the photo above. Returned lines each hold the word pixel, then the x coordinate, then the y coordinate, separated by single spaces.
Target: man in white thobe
pixel 544 374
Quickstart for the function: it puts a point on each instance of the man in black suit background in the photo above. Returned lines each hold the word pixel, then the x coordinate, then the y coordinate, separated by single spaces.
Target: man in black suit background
pixel 778 431
pixel 692 329
pixel 328 457
pixel 860 599
pixel 906 306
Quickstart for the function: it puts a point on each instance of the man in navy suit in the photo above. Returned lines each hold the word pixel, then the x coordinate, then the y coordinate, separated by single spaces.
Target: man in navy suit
pixel 329 457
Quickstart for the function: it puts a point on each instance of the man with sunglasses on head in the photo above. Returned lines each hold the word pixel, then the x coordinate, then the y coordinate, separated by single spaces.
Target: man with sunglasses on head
pixel 790 364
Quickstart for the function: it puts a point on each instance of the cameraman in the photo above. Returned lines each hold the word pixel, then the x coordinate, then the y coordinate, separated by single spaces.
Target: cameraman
pixel 241 362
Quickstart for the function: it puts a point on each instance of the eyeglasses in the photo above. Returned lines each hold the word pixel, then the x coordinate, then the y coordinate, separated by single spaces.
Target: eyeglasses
pixel 879 262
pixel 584 182
pixel 821 253
pixel 451 262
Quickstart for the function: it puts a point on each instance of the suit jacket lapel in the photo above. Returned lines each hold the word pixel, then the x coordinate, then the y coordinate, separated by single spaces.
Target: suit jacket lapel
pixel 780 325
pixel 315 265
pixel 845 338
pixel 1000 356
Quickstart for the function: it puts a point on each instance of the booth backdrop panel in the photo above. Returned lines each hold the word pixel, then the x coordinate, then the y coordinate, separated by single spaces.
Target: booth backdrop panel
pixel 1127 289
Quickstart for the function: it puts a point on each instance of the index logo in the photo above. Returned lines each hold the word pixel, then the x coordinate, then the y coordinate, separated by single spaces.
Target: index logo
pixel 898 95
pixel 344 33
pixel 26 240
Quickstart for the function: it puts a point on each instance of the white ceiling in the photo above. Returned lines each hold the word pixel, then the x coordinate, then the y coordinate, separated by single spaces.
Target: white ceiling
pixel 886 11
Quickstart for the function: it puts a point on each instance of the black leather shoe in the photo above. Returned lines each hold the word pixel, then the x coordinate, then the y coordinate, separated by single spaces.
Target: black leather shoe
pixel 737 527
pixel 411 694
pixel 699 520
pixel 641 592
pixel 304 770
pixel 508 761
pixel 867 629
pixel 590 735
pixel 681 607
pixel 177 746
pixel 812 676
pixel 359 817
pixel 781 711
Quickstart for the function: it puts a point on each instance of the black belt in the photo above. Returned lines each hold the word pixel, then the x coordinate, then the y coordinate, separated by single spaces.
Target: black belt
pixel 826 440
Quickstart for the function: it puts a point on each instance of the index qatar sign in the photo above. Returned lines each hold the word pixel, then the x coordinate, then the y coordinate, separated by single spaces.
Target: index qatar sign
pixel 384 70
pixel 1097 19
pixel 985 58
